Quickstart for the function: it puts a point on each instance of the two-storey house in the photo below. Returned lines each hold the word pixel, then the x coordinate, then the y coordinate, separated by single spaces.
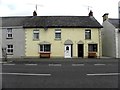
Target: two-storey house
pixel 0 39
pixel 63 36
pixel 111 37
pixel 13 37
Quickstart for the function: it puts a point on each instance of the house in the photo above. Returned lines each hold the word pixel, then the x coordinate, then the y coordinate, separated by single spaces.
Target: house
pixel 0 39
pixel 13 37
pixel 119 9
pixel 111 37
pixel 63 36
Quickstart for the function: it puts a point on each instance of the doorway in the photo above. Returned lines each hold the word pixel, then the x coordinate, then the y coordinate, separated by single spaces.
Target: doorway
pixel 80 50
pixel 68 51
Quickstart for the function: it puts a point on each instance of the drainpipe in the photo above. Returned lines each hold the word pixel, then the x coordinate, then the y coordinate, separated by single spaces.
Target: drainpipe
pixel 116 43
pixel 99 42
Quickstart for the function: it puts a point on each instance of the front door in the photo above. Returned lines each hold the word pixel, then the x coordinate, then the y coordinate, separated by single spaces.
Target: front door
pixel 67 51
pixel 80 50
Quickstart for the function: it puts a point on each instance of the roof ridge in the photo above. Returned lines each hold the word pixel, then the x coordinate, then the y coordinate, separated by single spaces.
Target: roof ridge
pixel 114 18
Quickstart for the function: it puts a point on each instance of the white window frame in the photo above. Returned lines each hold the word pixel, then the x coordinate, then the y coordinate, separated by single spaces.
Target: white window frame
pixel 57 31
pixel 36 32
pixel 44 48
pixel 9 32
pixel 86 32
pixel 10 53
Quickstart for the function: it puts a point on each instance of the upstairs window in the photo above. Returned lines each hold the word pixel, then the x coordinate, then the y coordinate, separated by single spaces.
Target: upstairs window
pixel 36 35
pixel 10 49
pixel 87 34
pixel 9 33
pixel 58 34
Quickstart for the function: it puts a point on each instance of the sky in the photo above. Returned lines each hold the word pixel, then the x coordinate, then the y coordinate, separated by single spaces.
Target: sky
pixel 59 8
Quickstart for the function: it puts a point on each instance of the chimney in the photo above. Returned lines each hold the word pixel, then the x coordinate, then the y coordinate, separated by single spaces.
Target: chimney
pixel 90 13
pixel 105 17
pixel 34 13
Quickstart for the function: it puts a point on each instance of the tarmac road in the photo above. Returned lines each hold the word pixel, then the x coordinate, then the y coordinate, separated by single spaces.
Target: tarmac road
pixel 70 73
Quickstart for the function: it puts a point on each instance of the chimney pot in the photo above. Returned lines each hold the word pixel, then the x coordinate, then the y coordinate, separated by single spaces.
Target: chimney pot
pixel 34 13
pixel 90 13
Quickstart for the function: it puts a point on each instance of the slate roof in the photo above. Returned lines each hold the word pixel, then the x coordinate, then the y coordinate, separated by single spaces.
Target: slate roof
pixel 51 21
pixel 115 22
pixel 62 21
pixel 13 21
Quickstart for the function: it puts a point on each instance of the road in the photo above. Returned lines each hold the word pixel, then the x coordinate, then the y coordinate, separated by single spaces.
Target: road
pixel 61 74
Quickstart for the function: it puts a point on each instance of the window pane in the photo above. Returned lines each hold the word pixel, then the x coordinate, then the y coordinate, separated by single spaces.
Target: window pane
pixel 9 30
pixel 9 35
pixel 47 48
pixel 92 47
pixel 8 46
pixel 36 34
pixel 11 46
pixel 41 47
pixel 10 49
pixel 87 34
pixel 67 48
pixel 58 33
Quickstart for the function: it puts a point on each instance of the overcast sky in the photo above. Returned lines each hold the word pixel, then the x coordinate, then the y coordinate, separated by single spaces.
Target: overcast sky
pixel 59 8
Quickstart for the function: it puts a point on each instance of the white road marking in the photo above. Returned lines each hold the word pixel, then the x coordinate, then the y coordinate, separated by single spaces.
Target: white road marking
pixel 99 64
pixel 103 74
pixel 2 62
pixel 26 74
pixel 54 65
pixel 8 64
pixel 31 64
pixel 77 64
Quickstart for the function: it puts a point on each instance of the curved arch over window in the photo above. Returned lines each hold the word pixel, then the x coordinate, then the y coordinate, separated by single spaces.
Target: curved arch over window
pixel 80 42
pixel 68 42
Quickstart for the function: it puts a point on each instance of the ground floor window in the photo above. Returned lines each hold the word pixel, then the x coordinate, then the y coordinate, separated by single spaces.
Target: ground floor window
pixel 10 49
pixel 92 47
pixel 45 48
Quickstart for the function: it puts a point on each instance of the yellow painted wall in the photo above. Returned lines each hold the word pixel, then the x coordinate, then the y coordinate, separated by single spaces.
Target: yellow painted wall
pixel 57 46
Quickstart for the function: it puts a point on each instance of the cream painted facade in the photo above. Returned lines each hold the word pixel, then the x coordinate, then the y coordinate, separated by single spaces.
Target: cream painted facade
pixel 76 35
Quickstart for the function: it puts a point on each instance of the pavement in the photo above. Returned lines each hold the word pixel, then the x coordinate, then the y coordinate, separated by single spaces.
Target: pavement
pixel 59 59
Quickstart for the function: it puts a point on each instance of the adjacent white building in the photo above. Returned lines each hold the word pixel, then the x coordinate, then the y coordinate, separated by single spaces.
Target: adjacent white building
pixel 111 37
pixel 13 36
pixel 119 9
pixel 0 39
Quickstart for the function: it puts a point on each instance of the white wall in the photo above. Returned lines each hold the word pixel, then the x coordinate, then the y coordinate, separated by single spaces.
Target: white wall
pixel 118 45
pixel 108 40
pixel 0 52
pixel 119 9
pixel 0 38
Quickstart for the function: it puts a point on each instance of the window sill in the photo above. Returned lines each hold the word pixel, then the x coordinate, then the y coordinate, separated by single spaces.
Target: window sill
pixel 9 54
pixel 36 39
pixel 45 52
pixel 9 38
pixel 88 39
pixel 57 39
